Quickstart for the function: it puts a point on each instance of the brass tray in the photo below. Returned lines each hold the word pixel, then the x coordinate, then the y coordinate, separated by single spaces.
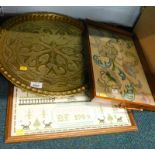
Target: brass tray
pixel 43 53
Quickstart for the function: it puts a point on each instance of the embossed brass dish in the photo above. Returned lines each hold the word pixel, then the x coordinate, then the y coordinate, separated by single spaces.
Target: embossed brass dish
pixel 43 53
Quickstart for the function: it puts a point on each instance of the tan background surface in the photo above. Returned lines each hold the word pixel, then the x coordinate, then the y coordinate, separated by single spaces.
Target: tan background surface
pixel 145 30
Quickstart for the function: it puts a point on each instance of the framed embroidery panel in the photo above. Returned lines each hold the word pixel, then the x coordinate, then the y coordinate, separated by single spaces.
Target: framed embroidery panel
pixel 30 118
pixel 119 70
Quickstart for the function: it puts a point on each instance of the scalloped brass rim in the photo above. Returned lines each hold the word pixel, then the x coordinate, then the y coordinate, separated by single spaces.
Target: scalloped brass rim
pixel 35 16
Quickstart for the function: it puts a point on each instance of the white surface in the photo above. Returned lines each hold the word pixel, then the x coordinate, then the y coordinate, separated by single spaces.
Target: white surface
pixel 36 84
pixel 122 15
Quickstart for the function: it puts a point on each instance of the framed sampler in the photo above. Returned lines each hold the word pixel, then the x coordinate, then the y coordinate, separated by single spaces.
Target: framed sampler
pixel 31 117
pixel 119 71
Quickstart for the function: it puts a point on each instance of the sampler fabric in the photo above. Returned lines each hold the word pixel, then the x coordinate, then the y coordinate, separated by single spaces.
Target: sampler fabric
pixel 41 115
pixel 117 70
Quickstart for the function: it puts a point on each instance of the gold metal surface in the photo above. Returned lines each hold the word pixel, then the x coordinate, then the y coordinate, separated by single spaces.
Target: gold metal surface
pixel 46 48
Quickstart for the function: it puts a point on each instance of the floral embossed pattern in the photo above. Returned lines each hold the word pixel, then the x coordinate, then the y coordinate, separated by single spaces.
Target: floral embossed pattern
pixel 118 73
pixel 51 52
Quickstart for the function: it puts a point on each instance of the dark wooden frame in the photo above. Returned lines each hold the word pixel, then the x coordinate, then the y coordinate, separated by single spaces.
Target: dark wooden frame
pixel 14 139
pixel 123 103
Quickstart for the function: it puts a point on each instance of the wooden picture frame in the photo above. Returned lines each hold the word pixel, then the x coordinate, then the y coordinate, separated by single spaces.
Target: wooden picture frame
pixel 149 76
pixel 13 139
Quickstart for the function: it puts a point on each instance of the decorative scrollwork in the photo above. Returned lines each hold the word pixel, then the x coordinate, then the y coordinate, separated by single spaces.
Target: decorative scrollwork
pixel 51 49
